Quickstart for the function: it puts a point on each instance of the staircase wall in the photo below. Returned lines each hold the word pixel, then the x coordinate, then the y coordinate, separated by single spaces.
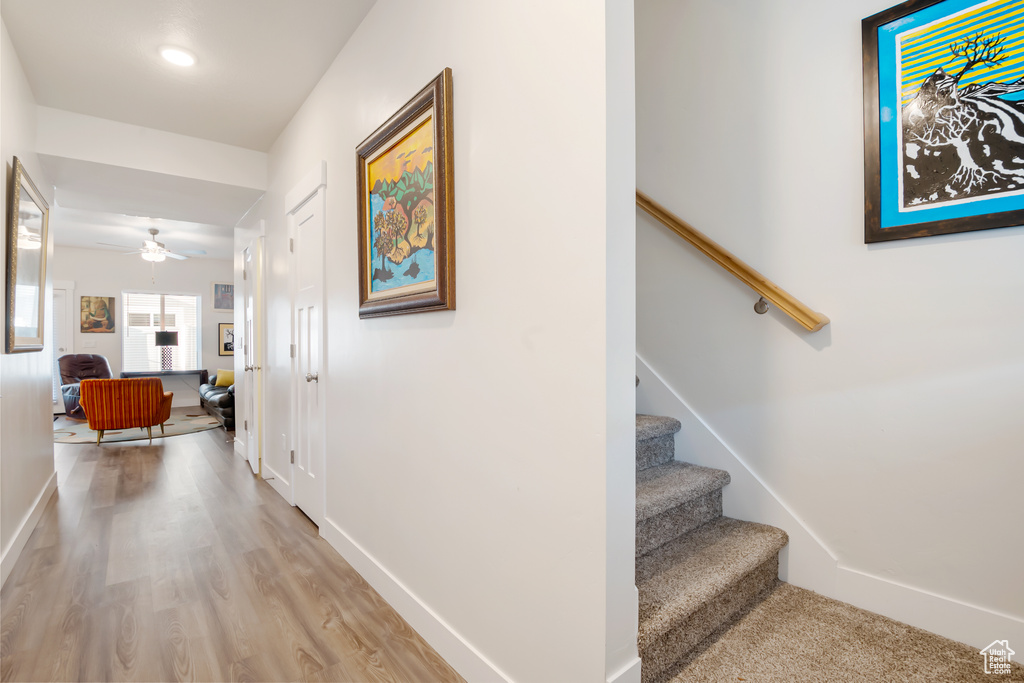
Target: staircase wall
pixel 893 435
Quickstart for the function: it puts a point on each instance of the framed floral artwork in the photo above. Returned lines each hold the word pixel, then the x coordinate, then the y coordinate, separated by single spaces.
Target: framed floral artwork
pixel 406 208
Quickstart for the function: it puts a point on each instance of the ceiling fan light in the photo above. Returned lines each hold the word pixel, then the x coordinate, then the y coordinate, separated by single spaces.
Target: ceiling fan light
pixel 154 256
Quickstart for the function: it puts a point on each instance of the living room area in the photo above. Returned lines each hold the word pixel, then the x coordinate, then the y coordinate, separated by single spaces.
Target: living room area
pixel 192 299
pixel 133 291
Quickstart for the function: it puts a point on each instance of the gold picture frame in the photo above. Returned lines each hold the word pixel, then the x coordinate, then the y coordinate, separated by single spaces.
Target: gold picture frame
pixel 27 235
pixel 226 339
pixel 98 315
pixel 406 208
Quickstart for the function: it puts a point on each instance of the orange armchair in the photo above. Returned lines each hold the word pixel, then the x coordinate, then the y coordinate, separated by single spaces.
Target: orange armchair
pixel 125 403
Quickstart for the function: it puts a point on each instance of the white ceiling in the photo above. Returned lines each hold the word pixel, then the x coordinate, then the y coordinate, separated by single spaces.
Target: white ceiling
pixel 96 230
pixel 257 61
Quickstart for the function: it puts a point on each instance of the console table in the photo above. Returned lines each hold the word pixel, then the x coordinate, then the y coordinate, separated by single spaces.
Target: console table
pixel 204 375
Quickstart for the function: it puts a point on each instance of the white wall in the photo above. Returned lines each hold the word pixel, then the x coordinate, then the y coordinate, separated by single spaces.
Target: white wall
pixel 468 450
pixel 623 664
pixel 26 433
pixel 71 135
pixel 895 433
pixel 101 272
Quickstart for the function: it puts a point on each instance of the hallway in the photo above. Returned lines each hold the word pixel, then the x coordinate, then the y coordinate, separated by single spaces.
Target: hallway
pixel 172 561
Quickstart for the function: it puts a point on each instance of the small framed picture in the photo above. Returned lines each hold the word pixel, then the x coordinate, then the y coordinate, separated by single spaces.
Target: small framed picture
pixel 226 339
pixel 223 296
pixel 98 314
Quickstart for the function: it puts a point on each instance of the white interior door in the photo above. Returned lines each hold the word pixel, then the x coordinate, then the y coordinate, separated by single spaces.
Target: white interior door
pixel 62 337
pixel 251 350
pixel 307 223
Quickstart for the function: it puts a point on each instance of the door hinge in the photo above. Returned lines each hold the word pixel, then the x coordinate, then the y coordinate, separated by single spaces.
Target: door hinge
pixel 245 275
pixel 245 425
pixel 293 457
pixel 291 244
pixel 291 351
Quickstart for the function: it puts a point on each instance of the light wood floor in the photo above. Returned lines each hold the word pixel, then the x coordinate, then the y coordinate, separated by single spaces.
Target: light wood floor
pixel 172 562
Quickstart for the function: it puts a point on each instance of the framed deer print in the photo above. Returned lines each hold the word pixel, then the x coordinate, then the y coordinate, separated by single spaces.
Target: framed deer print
pixel 943 118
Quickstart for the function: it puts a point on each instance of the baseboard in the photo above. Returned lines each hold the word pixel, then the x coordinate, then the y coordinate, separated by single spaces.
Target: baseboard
pixel 970 624
pixel 628 674
pixel 807 562
pixel 277 482
pixel 461 655
pixel 13 551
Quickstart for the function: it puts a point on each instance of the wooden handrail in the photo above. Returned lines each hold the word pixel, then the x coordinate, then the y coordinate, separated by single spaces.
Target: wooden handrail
pixel 782 299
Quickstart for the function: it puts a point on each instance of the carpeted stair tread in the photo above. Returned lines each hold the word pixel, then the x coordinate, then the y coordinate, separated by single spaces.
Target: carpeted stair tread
pixel 693 570
pixel 673 484
pixel 654 426
pixel 797 636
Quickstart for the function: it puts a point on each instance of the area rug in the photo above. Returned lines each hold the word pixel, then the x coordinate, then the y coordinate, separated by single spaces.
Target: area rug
pixel 187 420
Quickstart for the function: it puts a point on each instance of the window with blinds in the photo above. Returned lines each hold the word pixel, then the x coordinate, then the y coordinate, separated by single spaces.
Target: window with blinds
pixel 144 316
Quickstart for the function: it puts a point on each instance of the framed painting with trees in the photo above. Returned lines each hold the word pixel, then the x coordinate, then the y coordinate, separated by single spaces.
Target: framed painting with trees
pixel 406 208
pixel 943 118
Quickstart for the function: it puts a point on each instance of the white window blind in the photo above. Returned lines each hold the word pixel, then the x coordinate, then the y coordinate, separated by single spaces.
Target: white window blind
pixel 139 352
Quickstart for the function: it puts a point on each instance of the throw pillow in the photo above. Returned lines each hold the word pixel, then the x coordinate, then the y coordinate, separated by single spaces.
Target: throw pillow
pixel 225 378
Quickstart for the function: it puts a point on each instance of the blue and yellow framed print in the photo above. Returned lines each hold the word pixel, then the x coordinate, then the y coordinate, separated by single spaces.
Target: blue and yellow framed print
pixel 943 118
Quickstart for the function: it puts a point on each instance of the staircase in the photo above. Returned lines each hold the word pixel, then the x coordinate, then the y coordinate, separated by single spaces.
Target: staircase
pixel 696 570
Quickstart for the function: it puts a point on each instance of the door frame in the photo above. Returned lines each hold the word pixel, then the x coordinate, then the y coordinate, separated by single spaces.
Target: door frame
pixel 70 325
pixel 314 182
pixel 253 384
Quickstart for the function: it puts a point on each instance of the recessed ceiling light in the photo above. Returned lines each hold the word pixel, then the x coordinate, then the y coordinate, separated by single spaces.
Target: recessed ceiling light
pixel 176 55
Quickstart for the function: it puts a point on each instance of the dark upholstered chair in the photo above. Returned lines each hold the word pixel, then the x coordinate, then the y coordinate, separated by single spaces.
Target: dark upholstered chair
pixel 74 367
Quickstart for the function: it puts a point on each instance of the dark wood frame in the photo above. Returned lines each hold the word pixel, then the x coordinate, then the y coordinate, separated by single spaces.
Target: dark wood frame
pixel 22 183
pixel 873 230
pixel 220 339
pixel 437 95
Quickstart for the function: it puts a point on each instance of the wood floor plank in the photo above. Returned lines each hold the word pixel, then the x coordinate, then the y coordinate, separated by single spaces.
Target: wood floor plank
pixel 225 608
pixel 186 653
pixel 66 645
pixel 254 669
pixel 17 665
pixel 298 628
pixel 103 490
pixel 173 562
pixel 129 552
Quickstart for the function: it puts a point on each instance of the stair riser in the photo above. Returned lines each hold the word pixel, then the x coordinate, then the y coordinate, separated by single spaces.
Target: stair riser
pixel 667 649
pixel 654 452
pixel 658 530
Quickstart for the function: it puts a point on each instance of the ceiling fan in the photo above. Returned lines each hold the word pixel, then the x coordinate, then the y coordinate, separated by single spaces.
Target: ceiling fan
pixel 151 249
